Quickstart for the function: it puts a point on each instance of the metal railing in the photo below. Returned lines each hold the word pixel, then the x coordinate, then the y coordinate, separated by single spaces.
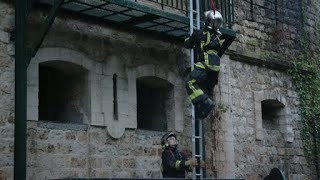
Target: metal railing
pixel 181 5
pixel 226 7
pixel 227 10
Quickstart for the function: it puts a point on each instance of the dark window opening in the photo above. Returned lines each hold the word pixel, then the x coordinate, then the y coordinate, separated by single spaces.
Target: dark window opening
pixel 63 92
pixel 155 103
pixel 115 97
pixel 272 112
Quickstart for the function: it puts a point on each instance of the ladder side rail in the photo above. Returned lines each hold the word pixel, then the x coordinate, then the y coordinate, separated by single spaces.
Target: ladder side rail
pixel 193 110
pixel 200 140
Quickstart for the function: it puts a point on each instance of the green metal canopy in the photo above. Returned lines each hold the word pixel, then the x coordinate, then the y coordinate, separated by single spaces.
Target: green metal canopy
pixel 133 15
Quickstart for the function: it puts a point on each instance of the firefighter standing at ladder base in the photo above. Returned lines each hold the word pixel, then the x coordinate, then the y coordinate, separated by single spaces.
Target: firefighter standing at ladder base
pixel 174 162
pixel 204 76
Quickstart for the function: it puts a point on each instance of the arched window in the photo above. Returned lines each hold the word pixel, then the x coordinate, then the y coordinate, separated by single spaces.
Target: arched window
pixel 272 113
pixel 63 92
pixel 155 103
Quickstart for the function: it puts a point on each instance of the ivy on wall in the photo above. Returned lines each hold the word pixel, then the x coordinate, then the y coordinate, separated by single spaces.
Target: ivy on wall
pixel 306 77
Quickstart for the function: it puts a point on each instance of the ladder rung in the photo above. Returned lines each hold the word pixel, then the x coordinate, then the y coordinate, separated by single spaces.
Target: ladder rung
pixel 198 174
pixel 198 155
pixel 198 137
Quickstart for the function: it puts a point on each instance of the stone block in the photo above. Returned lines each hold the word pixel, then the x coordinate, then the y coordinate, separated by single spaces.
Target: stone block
pixel 4 37
pixel 122 84
pixel 122 108
pixel 145 70
pixel 78 162
pixel 296 176
pixel 32 112
pixel 161 73
pixel 42 134
pixel 82 137
pixel 95 67
pixel 33 74
pixel 259 134
pixel 172 78
pixel 129 163
pixel 97 119
pixel 107 81
pixel 122 95
pixel 32 96
pixel 70 135
pixel 6 132
pixel 11 49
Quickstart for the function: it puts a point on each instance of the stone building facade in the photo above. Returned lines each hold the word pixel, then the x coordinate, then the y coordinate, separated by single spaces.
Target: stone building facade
pixel 91 88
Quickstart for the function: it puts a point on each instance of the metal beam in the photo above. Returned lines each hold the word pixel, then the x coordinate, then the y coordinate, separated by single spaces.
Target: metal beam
pixel 149 10
pixel 138 20
pixel 20 132
pixel 45 27
pixel 29 5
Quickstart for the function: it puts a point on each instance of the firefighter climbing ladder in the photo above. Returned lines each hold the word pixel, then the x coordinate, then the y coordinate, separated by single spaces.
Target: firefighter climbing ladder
pixel 197 126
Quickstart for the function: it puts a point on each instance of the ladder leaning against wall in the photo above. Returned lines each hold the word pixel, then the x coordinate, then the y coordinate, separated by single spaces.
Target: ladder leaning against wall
pixel 197 126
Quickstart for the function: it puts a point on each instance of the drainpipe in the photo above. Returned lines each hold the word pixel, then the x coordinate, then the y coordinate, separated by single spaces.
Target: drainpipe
pixel 20 130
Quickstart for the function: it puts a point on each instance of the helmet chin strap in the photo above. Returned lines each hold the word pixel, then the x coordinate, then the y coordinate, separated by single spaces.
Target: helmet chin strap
pixel 211 29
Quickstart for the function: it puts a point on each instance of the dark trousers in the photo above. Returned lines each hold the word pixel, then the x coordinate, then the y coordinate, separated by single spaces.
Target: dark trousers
pixel 200 84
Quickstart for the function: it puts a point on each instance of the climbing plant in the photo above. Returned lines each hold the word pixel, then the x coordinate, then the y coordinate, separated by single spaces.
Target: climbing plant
pixel 306 77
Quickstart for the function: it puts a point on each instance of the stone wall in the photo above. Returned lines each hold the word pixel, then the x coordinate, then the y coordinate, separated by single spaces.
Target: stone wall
pixel 273 29
pixel 82 151
pixel 256 154
pixel 269 30
pixel 6 91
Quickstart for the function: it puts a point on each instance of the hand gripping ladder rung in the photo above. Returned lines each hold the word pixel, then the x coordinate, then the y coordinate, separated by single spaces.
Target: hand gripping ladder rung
pixel 197 140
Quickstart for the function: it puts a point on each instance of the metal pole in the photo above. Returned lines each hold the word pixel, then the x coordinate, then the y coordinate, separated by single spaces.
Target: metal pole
pixel 45 28
pixel 192 112
pixel 200 124
pixel 20 132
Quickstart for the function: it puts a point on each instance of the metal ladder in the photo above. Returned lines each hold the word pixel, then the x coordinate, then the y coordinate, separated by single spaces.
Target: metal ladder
pixel 197 126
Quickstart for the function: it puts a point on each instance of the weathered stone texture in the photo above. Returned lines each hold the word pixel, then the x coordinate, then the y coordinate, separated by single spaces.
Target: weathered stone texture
pixel 6 92
pixel 274 29
pixel 253 156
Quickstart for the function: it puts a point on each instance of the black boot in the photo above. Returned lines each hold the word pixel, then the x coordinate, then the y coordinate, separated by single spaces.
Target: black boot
pixel 203 109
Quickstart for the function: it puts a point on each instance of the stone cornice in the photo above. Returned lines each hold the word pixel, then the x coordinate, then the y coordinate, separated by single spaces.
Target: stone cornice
pixel 268 63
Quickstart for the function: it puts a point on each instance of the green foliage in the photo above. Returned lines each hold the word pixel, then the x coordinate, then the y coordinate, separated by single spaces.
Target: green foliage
pixel 223 108
pixel 306 76
pixel 308 87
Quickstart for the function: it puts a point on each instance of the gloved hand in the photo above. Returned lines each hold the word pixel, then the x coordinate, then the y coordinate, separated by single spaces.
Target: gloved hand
pixel 191 162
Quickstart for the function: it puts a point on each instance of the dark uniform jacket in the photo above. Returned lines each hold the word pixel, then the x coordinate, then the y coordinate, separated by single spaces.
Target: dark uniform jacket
pixel 173 163
pixel 204 41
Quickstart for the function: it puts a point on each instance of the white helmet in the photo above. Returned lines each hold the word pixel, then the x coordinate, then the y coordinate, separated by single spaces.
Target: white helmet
pixel 213 19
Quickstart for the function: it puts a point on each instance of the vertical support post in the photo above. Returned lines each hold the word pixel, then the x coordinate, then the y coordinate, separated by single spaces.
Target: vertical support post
pixel 192 66
pixel 232 14
pixel 229 12
pixel 251 9
pixel 276 10
pixel 20 131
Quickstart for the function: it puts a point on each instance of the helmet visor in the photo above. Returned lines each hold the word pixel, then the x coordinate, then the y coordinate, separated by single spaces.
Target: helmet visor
pixel 215 23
